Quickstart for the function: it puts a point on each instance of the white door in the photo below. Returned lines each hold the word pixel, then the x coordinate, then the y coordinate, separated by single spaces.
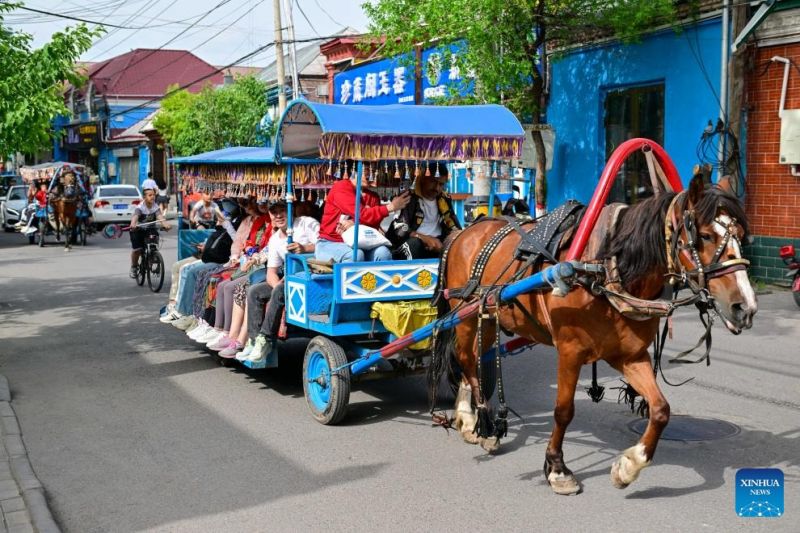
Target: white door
pixel 128 170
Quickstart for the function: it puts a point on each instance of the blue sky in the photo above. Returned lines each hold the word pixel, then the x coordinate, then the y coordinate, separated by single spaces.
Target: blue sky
pixel 165 19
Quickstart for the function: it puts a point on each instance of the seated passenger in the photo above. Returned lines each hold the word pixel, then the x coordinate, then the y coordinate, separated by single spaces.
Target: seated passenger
pixel 339 215
pixel 206 213
pixel 263 323
pixel 422 226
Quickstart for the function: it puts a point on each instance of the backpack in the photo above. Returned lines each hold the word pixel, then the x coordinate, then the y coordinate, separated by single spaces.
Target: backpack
pixel 217 248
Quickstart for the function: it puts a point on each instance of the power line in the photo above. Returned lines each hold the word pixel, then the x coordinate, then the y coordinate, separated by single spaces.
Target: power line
pixel 297 3
pixel 207 40
pixel 150 53
pixel 328 14
pixel 79 19
pixel 217 70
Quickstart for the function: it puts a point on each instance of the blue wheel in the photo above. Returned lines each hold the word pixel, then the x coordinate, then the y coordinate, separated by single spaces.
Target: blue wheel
pixel 327 393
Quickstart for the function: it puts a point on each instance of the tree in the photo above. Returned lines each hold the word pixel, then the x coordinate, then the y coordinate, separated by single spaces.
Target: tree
pixel 213 118
pixel 504 39
pixel 31 83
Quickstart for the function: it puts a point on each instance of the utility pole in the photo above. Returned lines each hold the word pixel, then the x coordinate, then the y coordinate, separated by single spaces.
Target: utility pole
pixel 287 6
pixel 276 15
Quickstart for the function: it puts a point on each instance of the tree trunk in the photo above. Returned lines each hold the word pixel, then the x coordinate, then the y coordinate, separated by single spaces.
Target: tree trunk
pixel 537 90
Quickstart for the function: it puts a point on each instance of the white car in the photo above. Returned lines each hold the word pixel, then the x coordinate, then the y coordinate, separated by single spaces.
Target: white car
pixel 11 206
pixel 114 204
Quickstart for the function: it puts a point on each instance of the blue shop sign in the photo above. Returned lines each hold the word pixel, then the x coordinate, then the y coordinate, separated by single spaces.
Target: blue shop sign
pixel 442 74
pixel 391 81
pixel 388 81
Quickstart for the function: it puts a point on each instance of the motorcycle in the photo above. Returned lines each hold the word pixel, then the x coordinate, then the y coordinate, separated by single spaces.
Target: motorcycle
pixel 793 264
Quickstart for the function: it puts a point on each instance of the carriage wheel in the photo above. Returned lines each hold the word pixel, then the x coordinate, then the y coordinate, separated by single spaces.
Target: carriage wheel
pixel 327 395
pixel 488 380
pixel 141 270
pixel 42 230
pixel 155 272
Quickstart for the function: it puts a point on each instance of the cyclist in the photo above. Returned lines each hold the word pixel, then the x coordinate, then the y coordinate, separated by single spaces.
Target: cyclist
pixel 147 211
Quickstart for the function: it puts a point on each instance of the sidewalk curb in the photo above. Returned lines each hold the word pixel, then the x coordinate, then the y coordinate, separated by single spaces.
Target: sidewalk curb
pixel 21 469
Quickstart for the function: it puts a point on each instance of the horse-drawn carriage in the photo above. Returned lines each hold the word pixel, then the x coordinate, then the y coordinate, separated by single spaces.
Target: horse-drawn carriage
pixel 586 280
pixel 66 209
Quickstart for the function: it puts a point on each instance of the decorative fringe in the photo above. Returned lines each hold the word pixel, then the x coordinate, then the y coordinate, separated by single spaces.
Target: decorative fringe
pixel 628 395
pixel 484 427
pixel 501 423
pixel 596 392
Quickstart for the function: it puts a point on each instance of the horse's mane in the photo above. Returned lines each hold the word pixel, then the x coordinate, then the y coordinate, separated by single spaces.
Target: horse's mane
pixel 638 240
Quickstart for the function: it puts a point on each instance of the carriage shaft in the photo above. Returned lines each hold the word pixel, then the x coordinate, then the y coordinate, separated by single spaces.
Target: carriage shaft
pixel 547 278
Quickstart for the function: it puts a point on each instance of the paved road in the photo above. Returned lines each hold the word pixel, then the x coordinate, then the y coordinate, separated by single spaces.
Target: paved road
pixel 131 427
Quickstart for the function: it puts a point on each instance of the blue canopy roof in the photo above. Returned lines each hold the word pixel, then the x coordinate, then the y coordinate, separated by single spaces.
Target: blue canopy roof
pixel 230 156
pixel 373 128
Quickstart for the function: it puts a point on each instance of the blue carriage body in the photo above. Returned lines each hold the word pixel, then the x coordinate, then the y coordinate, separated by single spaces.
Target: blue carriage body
pixel 339 304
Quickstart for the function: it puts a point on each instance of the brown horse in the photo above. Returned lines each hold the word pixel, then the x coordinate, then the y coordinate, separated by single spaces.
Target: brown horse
pixel 692 237
pixel 65 207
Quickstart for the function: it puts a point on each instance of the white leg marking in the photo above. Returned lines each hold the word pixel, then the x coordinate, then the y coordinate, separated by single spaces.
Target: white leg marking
pixel 627 468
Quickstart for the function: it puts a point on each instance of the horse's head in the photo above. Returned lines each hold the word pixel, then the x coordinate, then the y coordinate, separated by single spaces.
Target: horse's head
pixel 705 232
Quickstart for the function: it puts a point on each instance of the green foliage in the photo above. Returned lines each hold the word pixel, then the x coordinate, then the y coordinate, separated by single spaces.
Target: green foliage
pixel 31 83
pixel 213 118
pixel 504 36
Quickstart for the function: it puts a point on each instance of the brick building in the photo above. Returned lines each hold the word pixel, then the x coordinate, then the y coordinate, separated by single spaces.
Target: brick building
pixel 772 193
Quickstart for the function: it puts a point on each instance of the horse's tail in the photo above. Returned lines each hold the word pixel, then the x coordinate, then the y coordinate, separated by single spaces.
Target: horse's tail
pixel 443 350
pixel 442 355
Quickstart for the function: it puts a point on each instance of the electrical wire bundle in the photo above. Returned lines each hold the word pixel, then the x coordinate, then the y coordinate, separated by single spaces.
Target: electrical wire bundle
pixel 728 161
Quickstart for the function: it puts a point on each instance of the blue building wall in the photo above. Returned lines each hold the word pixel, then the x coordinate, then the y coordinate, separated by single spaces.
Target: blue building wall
pixel 581 80
pixel 118 117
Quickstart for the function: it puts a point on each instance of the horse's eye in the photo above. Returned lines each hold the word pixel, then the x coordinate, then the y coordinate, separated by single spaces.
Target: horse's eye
pixel 707 237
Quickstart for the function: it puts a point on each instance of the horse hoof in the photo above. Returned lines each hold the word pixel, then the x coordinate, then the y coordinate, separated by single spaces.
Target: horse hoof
pixel 616 478
pixel 628 466
pixel 470 437
pixel 563 484
pixel 490 444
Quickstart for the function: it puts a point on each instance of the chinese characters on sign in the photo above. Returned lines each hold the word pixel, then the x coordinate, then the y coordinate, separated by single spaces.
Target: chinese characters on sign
pixel 82 136
pixel 391 81
pixel 373 85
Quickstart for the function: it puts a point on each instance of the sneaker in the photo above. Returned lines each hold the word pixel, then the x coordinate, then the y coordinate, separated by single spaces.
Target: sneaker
pixel 170 317
pixel 221 344
pixel 261 347
pixel 185 322
pixel 231 350
pixel 244 352
pixel 134 272
pixel 30 231
pixel 200 329
pixel 211 336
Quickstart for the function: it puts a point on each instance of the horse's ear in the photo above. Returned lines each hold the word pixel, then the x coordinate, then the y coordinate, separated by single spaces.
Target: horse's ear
pixel 696 189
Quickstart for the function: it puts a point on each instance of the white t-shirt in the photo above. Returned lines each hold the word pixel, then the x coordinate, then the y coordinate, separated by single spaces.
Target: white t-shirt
pixel 430 218
pixel 306 231
pixel 146 214
pixel 202 214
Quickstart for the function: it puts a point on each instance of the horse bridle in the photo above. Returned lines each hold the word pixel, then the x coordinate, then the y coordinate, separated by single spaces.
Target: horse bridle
pixel 697 276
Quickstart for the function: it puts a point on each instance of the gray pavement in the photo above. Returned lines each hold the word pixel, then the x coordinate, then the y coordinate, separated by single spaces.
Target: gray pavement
pixel 131 427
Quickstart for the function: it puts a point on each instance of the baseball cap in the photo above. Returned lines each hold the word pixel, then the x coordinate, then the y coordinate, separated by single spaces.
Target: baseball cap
pixel 149 184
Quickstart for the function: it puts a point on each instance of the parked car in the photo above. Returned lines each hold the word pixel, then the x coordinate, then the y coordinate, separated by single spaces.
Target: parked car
pixel 8 180
pixel 114 203
pixel 13 203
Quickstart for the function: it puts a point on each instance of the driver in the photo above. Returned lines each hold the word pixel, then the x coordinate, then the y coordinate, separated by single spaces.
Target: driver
pixel 146 212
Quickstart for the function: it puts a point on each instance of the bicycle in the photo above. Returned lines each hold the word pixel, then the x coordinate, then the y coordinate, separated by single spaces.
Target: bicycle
pixel 151 263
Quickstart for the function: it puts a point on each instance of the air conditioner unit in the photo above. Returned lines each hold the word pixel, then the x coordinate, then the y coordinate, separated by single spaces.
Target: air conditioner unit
pixel 322 89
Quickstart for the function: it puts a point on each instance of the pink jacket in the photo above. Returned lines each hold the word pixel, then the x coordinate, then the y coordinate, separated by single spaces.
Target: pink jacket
pixel 241 237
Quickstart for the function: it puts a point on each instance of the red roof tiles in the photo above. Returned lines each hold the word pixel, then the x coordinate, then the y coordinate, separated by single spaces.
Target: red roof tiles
pixel 147 73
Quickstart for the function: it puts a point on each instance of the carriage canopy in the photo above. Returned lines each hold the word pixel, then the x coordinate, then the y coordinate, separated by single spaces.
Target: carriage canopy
pixel 398 132
pixel 47 171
